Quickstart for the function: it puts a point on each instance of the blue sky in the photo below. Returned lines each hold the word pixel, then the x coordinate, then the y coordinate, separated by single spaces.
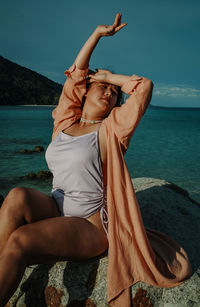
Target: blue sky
pixel 161 41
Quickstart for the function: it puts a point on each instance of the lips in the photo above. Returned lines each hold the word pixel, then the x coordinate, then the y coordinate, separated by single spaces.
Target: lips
pixel 106 99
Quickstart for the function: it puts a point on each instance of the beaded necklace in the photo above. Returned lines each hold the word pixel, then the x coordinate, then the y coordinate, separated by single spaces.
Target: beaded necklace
pixel 90 121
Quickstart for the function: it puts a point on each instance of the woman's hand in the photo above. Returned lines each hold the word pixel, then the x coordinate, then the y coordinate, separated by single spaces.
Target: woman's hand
pixel 102 75
pixel 105 30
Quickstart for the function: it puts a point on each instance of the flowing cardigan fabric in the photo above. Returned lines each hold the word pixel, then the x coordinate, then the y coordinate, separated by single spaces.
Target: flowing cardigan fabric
pixel 135 253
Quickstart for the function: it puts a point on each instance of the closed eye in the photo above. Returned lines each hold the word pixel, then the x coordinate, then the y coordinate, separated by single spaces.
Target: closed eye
pixel 113 89
pixel 102 85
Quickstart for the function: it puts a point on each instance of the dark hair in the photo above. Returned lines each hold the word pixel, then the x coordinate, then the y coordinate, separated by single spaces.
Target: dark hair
pixel 120 97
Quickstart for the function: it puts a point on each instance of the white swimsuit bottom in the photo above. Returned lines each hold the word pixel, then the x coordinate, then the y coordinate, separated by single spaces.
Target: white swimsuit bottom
pixel 77 207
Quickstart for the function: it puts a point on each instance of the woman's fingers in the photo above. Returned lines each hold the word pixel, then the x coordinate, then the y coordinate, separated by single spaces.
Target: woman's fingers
pixel 117 19
pixel 101 75
pixel 101 70
pixel 117 24
pixel 93 75
pixel 120 27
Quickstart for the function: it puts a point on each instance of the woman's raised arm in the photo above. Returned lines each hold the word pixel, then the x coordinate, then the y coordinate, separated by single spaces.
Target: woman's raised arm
pixel 69 107
pixel 83 58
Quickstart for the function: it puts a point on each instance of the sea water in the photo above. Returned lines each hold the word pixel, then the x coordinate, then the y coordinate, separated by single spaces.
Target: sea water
pixel 165 145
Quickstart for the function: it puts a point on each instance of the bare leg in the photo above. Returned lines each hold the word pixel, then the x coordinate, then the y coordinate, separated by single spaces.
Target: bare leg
pixel 49 240
pixel 22 206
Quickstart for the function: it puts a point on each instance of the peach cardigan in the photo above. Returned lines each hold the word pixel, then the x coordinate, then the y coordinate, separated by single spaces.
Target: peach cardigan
pixel 135 253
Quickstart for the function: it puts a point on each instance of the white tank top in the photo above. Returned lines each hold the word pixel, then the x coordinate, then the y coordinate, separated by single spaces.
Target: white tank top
pixel 77 173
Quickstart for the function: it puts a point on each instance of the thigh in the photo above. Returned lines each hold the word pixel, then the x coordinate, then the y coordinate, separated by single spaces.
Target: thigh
pixel 40 205
pixel 30 203
pixel 60 239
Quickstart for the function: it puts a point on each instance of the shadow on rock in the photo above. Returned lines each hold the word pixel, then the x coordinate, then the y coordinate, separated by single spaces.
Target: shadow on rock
pixel 79 279
pixel 34 286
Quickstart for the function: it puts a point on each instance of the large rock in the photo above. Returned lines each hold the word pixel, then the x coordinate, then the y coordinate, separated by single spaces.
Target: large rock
pixel 165 207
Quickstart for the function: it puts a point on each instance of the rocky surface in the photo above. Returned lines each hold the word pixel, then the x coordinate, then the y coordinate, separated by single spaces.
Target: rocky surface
pixel 165 207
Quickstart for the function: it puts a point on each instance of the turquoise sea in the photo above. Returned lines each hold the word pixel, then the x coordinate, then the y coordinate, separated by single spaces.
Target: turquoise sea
pixel 165 145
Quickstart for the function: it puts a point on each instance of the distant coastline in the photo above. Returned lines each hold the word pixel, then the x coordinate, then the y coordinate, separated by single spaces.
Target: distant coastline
pixel 54 105
pixel 165 107
pixel 29 105
pixel 21 86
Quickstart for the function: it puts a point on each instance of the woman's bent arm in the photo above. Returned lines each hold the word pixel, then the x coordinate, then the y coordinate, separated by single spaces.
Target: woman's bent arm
pixel 103 75
pixel 126 118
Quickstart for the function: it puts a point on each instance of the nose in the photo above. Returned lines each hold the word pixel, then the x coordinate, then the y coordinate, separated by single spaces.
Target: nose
pixel 108 91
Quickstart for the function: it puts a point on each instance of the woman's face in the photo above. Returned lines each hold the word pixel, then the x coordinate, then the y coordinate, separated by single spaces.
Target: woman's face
pixel 102 97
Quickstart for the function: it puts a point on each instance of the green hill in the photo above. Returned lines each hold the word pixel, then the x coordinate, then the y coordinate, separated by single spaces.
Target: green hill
pixel 20 85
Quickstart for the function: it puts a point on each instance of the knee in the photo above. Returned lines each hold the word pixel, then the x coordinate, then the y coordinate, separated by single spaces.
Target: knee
pixel 16 199
pixel 18 245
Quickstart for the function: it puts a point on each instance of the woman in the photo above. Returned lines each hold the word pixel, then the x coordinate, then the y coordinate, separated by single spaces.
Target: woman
pixel 86 159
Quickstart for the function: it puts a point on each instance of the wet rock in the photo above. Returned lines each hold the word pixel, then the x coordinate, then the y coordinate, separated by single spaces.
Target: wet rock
pixel 25 151
pixel 43 175
pixel 36 149
pixel 83 283
pixel 31 175
pixel 40 175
